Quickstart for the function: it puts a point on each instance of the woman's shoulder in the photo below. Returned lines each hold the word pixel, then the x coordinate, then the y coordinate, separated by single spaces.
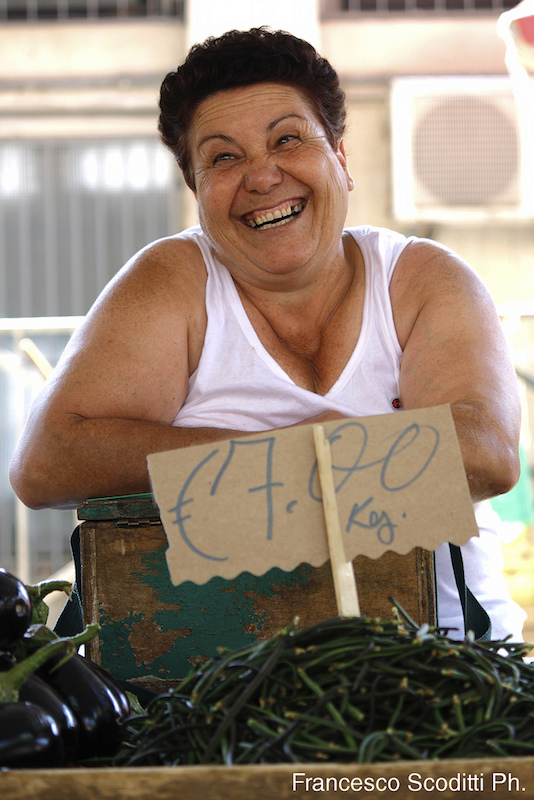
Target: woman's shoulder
pixel 187 245
pixel 169 261
pixel 381 248
pixel 408 253
pixel 168 275
pixel 379 243
pixel 429 276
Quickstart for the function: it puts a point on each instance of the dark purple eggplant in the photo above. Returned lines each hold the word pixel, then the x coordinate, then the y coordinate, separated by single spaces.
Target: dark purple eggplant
pixel 29 737
pixel 37 691
pixel 121 696
pixel 18 685
pixel 95 705
pixel 15 608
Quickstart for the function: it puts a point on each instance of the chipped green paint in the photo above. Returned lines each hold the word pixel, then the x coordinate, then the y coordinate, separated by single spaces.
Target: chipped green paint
pixel 189 620
pixel 115 649
pixel 129 506
pixel 217 614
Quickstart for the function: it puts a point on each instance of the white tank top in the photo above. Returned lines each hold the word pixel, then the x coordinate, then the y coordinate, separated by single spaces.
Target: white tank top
pixel 239 386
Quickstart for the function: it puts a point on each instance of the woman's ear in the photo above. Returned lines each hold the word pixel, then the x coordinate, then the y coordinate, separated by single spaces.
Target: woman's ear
pixel 342 156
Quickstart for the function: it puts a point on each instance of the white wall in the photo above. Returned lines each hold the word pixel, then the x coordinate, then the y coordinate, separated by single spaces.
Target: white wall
pixel 206 18
pixel 92 50
pixel 368 47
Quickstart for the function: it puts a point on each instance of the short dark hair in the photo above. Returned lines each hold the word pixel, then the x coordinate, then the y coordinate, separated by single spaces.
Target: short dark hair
pixel 242 58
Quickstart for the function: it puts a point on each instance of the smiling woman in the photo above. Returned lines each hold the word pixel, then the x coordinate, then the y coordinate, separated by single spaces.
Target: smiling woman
pixel 270 313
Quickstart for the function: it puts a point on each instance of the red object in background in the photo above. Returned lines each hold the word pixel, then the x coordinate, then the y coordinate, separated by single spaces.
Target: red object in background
pixel 526 28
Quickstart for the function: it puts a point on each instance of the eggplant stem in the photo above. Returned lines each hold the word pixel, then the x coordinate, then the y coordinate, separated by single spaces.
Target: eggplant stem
pixel 39 591
pixel 13 679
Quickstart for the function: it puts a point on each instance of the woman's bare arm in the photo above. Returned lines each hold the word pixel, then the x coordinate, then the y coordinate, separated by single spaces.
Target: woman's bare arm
pixel 123 377
pixel 454 352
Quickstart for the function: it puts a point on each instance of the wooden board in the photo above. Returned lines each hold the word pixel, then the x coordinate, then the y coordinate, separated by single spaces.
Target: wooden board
pixel 499 779
pixel 152 630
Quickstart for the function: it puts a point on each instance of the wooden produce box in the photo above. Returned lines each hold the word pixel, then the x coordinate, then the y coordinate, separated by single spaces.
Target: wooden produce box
pixel 404 780
pixel 152 630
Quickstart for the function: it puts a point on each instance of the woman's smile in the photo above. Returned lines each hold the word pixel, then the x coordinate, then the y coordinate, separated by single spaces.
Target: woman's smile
pixel 274 217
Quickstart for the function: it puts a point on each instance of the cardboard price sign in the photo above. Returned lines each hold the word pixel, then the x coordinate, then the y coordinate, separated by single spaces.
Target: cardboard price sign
pixel 252 503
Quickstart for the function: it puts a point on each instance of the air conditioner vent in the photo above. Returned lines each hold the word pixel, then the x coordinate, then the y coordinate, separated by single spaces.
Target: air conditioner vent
pixel 458 150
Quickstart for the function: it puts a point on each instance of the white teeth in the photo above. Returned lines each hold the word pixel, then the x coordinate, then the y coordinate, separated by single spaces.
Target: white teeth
pixel 275 218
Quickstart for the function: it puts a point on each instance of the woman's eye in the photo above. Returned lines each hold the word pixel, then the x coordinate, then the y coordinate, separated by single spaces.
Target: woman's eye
pixel 286 138
pixel 222 157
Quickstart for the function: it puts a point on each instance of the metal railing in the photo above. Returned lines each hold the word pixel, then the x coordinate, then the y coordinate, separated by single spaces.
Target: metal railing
pixel 32 10
pixel 33 544
pixel 73 211
pixel 421 6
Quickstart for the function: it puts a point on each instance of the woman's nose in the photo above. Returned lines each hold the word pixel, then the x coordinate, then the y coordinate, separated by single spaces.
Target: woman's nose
pixel 262 174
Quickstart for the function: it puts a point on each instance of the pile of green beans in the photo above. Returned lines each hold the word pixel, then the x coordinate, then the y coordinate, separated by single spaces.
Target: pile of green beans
pixel 345 690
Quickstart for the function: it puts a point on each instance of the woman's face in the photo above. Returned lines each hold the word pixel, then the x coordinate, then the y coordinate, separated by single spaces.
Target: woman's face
pixel 272 192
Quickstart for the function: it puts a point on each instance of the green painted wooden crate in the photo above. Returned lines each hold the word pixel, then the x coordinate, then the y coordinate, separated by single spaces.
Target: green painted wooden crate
pixel 152 630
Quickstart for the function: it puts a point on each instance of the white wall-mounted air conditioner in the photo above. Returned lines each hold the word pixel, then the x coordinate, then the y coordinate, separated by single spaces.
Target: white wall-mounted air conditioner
pixel 459 151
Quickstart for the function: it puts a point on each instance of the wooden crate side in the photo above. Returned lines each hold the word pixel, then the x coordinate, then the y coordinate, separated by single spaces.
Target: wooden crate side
pixel 408 578
pixel 129 506
pixel 151 629
pixel 90 586
pixel 496 779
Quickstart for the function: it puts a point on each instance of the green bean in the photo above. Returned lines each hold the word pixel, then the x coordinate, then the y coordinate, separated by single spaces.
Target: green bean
pixel 407 750
pixel 372 746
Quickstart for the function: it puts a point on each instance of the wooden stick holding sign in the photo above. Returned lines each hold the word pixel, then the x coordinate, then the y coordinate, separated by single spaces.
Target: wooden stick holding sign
pixel 342 570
